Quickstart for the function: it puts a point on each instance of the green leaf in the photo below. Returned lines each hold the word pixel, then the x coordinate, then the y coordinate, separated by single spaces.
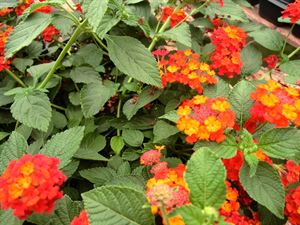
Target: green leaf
pixel 181 34
pixel 71 168
pixel 226 149
pixel 171 116
pixel 252 59
pixel 267 218
pixel 191 214
pixel 265 187
pixel 134 59
pixel 84 74
pixel 221 88
pixel 111 205
pixel 25 32
pixel 90 146
pixel 205 175
pixel 134 182
pixel 117 144
pixel 268 38
pixel 93 96
pixel 22 63
pixel 133 138
pixel 4 100
pixel 38 71
pixel 148 95
pixel 95 12
pixel 59 120
pixel 282 143
pixel 252 162
pixel 32 108
pixel 240 101
pixel 292 69
pixel 89 54
pixel 98 175
pixel 3 135
pixel 230 11
pixel 163 130
pixel 106 24
pixel 64 212
pixel 7 218
pixel 14 148
pixel 64 145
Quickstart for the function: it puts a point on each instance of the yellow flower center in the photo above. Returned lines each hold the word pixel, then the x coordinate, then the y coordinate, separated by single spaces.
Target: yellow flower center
pixel 220 106
pixel 269 100
pixel 212 124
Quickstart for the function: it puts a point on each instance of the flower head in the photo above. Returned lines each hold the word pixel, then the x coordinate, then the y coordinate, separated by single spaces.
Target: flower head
pixel 82 219
pixel 291 173
pixel 150 157
pixel 50 33
pixel 271 61
pixel 4 32
pixel 176 17
pixel 292 11
pixel 184 67
pixel 292 206
pixel 31 184
pixel 205 119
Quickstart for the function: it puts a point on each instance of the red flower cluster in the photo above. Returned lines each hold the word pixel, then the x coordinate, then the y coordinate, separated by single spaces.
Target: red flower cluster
pixel 292 206
pixel 31 184
pixel 292 11
pixel 82 219
pixel 271 61
pixel 229 41
pixel 202 118
pixel 4 32
pixel 24 4
pixel 276 104
pixel 50 33
pixel 167 188
pixel 175 17
pixel 184 67
pixel 231 206
pixel 291 173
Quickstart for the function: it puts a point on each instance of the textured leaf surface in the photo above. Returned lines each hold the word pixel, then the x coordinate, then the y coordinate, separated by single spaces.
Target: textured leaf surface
pixel 205 175
pixel 268 38
pixel 64 145
pixel 163 130
pixel 191 215
pixel 282 143
pixel 292 69
pixel 106 24
pixel 252 59
pixel 25 32
pixel 93 96
pixel 32 108
pixel 181 34
pixel 133 137
pixel 134 59
pixel 226 149
pixel 111 205
pixel 14 148
pixel 95 12
pixel 98 175
pixel 240 101
pixel 7 218
pixel 265 187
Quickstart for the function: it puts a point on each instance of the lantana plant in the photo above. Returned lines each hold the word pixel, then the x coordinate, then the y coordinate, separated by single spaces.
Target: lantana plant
pixel 147 112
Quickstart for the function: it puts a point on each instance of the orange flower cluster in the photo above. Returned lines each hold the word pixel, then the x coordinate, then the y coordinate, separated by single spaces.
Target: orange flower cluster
pixel 31 184
pixel 291 173
pixel 292 11
pixel 175 17
pixel 231 206
pixel 228 41
pixel 50 33
pixel 4 32
pixel 202 118
pixel 184 67
pixel 276 104
pixel 292 206
pixel 167 188
pixel 82 219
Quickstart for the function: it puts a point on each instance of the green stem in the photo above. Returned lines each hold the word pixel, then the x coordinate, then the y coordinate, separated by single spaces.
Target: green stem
pixel 286 39
pixel 119 113
pixel 15 77
pixel 294 52
pixel 71 41
pixel 164 215
pixel 58 107
pixel 99 41
pixel 162 29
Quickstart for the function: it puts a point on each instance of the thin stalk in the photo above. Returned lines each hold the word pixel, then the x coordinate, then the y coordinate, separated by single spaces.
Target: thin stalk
pixel 294 52
pixel 58 107
pixel 15 77
pixel 164 215
pixel 162 29
pixel 119 113
pixel 71 41
pixel 286 39
pixel 99 41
